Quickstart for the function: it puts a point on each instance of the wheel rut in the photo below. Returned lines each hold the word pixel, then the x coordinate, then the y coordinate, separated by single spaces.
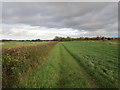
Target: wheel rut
pixel 86 74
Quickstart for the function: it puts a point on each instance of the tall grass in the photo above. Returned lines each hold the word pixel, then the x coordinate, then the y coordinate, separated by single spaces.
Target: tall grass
pixel 17 61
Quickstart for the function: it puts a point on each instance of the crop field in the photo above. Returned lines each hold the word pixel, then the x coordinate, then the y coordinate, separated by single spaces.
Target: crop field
pixel 72 64
pixel 19 44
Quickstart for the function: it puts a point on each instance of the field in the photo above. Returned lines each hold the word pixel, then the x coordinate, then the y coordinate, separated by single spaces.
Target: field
pixel 75 64
pixel 13 44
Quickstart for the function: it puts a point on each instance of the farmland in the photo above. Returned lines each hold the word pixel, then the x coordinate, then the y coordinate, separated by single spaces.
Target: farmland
pixel 75 64
pixel 13 44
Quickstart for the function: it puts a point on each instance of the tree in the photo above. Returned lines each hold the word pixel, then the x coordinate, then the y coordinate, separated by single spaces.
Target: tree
pixel 57 38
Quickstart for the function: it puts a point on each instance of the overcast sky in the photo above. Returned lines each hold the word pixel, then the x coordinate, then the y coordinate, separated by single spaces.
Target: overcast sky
pixel 33 20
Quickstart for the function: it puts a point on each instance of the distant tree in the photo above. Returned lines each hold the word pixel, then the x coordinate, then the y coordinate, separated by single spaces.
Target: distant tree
pixel 102 37
pixel 68 39
pixel 109 38
pixel 97 38
pixel 83 38
pixel 37 40
pixel 57 38
pixel 86 38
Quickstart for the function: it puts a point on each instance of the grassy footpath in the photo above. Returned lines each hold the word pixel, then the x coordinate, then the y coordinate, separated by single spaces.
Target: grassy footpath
pixel 59 70
pixel 46 75
pixel 78 64
pixel 72 74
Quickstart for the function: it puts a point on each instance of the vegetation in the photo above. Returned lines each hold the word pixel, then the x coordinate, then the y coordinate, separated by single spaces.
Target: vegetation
pixel 99 59
pixel 60 70
pixel 84 38
pixel 77 64
pixel 16 44
pixel 8 40
pixel 84 64
pixel 16 61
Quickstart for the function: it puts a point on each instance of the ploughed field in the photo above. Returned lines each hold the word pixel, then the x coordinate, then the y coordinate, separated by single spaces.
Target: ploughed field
pixel 75 64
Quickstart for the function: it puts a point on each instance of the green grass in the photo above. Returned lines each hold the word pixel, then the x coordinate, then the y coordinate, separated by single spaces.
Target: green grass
pixel 99 59
pixel 19 44
pixel 59 70
pixel 78 64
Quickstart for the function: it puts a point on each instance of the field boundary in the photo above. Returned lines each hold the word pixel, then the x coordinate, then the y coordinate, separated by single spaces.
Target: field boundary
pixel 22 60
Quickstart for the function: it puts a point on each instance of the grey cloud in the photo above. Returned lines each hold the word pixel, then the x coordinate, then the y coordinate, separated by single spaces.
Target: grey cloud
pixel 89 16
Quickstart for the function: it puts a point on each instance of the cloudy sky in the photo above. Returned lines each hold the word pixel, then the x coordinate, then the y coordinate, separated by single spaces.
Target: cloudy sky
pixel 32 20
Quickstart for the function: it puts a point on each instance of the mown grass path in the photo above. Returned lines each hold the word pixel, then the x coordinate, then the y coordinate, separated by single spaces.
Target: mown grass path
pixel 72 74
pixel 59 70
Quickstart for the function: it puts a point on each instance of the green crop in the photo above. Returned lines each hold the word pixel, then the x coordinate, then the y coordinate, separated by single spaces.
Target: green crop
pixel 75 64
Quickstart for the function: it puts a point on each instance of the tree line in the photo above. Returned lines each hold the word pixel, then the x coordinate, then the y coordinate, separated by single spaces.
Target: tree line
pixel 33 40
pixel 57 38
